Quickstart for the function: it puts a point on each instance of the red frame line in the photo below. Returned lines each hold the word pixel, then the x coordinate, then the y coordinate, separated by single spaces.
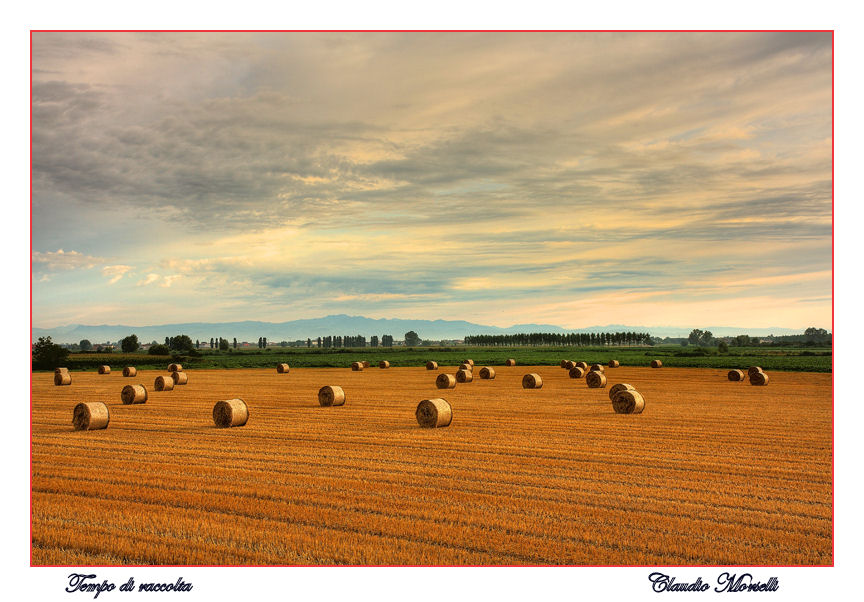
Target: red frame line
pixel 833 400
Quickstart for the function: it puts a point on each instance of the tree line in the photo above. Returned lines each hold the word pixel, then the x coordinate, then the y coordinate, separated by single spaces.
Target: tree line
pixel 811 336
pixel 570 339
pixel 345 341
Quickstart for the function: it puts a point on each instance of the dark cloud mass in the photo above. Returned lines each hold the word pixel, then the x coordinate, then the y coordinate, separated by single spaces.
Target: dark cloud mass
pixel 288 148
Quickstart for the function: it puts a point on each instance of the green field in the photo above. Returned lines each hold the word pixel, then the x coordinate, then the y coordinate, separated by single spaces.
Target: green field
pixel 799 359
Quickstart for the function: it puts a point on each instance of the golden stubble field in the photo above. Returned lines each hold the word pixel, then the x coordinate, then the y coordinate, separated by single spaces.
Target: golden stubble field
pixel 713 472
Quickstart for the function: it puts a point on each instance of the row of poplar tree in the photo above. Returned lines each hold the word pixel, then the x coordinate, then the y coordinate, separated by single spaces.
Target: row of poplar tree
pixel 351 341
pixel 565 339
pixel 323 342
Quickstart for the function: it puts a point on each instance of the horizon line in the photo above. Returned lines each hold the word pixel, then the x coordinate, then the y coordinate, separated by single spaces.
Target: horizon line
pixel 658 326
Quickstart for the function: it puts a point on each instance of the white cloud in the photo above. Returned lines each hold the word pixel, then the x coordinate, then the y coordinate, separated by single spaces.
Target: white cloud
pixel 167 281
pixel 115 272
pixel 149 279
pixel 64 260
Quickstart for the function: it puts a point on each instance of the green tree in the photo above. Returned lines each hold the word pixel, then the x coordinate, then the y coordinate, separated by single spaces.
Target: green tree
pixel 223 344
pixel 412 339
pixel 47 355
pixel 129 344
pixel 235 342
pixel 159 350
pixel 817 335
pixel 743 340
pixel 85 345
pixel 180 343
pixel 700 337
pixel 722 347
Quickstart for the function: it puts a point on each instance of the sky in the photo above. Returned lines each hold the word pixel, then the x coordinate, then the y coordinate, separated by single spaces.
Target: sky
pixel 576 179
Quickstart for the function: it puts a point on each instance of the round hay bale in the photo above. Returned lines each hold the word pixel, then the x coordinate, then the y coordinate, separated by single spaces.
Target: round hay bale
pixel 164 383
pixel 595 379
pixel 597 368
pixel 468 362
pixel 760 379
pixel 231 412
pixel 510 362
pixel 569 365
pixel 129 371
pixel 532 380
pixel 90 416
pixel 383 364
pixel 656 364
pixel 614 363
pixel 464 376
pixel 433 413
pixel 104 369
pixel 735 375
pixel 133 394
pixel 357 366
pixel 628 402
pixel 753 370
pixel 61 370
pixel 431 365
pixel 564 363
pixel 63 378
pixel 331 396
pixel 280 369
pixel 445 381
pixel 583 365
pixel 175 368
pixel 487 373
pixel 616 388
pixel 180 378
pixel 576 372
pixel 466 366
pixel 365 363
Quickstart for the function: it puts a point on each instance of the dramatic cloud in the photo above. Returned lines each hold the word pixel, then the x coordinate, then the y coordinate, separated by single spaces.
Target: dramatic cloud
pixel 490 176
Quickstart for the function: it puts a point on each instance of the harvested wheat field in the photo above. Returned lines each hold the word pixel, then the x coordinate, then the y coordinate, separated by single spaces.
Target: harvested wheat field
pixel 712 472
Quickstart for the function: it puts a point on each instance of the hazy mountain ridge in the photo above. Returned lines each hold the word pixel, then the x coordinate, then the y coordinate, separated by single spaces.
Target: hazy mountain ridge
pixel 341 324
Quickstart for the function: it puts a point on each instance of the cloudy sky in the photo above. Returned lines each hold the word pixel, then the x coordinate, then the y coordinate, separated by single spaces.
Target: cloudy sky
pixel 567 178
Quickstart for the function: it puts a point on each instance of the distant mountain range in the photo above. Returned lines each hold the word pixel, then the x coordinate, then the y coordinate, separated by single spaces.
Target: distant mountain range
pixel 341 324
